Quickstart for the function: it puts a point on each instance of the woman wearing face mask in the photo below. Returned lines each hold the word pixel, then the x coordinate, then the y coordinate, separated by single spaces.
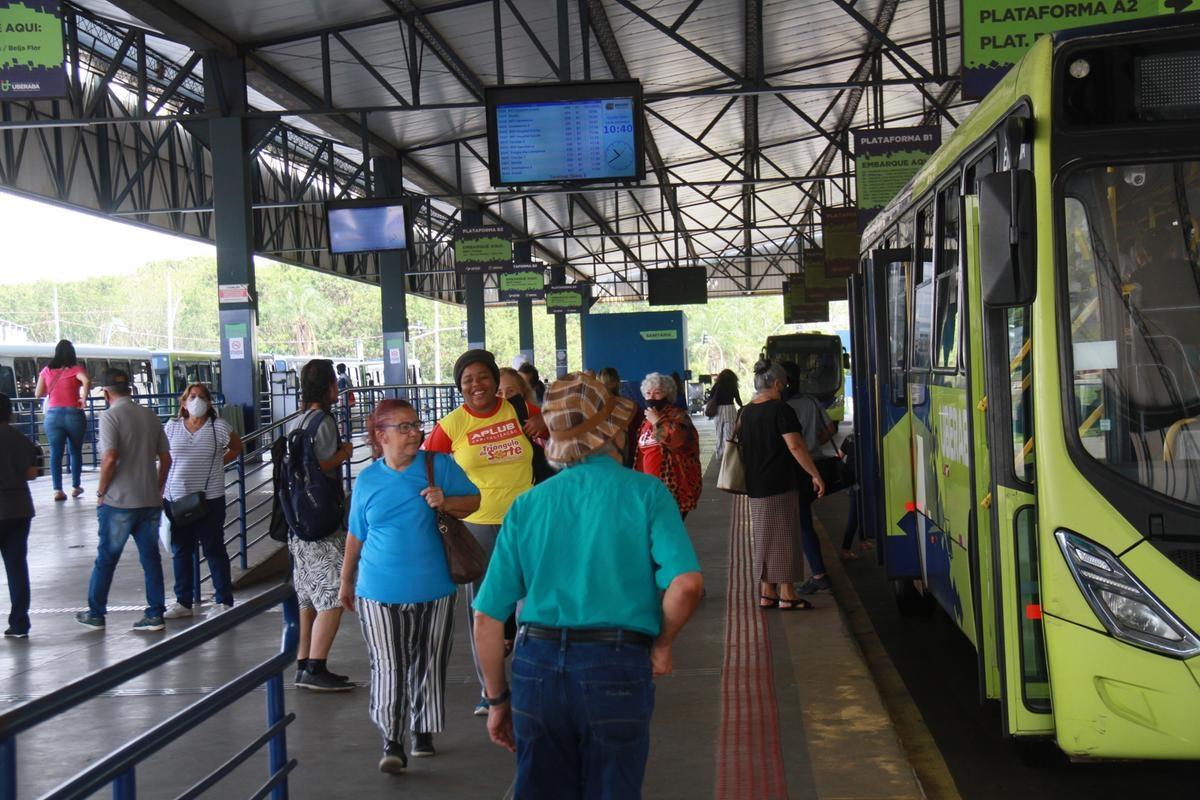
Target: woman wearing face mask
pixel 668 446
pixel 201 445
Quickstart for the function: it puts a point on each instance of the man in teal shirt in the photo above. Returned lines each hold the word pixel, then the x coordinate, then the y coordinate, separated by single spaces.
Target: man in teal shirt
pixel 608 577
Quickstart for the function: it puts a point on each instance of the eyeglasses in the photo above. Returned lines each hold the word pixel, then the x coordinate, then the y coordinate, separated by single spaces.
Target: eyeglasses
pixel 404 427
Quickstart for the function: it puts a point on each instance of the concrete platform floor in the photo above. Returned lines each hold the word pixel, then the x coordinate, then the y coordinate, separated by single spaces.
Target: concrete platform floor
pixel 832 736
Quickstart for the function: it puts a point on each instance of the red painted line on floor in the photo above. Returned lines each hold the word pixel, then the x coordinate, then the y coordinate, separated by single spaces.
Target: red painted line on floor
pixel 749 751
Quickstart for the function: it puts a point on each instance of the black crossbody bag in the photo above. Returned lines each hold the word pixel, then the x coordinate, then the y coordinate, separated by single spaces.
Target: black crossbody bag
pixel 193 507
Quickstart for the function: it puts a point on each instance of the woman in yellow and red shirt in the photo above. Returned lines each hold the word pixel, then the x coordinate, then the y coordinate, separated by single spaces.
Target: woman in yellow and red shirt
pixel 485 437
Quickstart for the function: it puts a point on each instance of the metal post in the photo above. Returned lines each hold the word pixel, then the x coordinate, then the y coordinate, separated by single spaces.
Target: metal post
pixel 125 785
pixel 231 141
pixel 8 769
pixel 277 748
pixel 389 173
pixel 558 275
pixel 241 484
pixel 523 255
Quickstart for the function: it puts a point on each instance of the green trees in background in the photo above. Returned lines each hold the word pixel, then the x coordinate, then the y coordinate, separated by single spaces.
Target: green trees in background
pixel 173 304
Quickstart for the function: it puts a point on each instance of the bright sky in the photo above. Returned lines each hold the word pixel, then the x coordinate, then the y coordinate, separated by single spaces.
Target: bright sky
pixel 39 238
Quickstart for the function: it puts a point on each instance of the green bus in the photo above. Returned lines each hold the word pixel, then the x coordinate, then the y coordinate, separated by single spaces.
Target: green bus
pixel 1027 331
pixel 821 360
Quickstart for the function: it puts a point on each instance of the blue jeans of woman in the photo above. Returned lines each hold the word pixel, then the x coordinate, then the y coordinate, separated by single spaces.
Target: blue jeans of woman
pixel 65 426
pixel 14 545
pixel 207 532
pixel 808 539
pixel 581 715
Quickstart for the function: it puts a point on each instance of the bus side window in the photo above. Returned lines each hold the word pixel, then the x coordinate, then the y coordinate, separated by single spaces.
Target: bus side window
pixel 923 293
pixel 947 327
pixel 8 381
pixel 26 372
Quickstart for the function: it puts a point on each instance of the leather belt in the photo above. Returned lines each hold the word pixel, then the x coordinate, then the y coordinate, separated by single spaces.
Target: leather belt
pixel 609 635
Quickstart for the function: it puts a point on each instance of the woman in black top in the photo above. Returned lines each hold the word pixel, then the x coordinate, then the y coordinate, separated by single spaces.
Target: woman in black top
pixel 720 407
pixel 19 463
pixel 772 446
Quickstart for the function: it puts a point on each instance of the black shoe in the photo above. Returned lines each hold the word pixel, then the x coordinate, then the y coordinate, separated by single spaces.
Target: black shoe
pixel 423 745
pixel 299 675
pixel 394 761
pixel 336 677
pixel 814 585
pixel 321 682
pixel 13 633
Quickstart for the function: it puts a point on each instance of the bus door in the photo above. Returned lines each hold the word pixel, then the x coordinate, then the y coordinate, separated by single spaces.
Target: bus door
pixel 889 305
pixel 1011 499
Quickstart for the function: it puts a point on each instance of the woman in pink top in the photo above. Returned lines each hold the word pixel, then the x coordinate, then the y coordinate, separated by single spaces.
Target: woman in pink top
pixel 64 384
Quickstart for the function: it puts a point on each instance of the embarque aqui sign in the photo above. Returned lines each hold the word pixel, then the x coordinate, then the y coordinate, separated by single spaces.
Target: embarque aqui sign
pixel 482 248
pixel 568 299
pixel 31 50
pixel 523 282
pixel 818 286
pixel 884 160
pixel 798 306
pixel 996 33
pixel 839 235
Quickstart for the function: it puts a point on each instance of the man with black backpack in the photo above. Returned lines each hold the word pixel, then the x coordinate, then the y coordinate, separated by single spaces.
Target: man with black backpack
pixel 314 504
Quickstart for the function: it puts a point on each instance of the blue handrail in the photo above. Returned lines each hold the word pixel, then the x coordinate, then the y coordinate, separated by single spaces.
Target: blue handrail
pixel 118 769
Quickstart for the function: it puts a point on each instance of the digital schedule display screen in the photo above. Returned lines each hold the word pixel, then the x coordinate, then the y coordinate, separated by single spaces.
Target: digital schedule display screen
pixel 565 133
pixel 360 226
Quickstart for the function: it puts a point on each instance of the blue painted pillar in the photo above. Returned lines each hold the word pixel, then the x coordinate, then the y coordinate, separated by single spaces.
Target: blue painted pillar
pixel 523 254
pixel 473 286
pixel 230 138
pixel 393 265
pixel 558 276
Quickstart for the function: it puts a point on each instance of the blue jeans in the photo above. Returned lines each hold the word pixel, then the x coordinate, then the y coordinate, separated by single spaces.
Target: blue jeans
pixel 65 426
pixel 808 539
pixel 581 714
pixel 186 540
pixel 116 526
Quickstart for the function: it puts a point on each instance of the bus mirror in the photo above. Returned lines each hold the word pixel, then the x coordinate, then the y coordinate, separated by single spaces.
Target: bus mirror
pixel 845 361
pixel 1006 239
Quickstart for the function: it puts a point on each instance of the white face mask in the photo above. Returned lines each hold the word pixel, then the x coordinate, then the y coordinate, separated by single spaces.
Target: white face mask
pixel 197 406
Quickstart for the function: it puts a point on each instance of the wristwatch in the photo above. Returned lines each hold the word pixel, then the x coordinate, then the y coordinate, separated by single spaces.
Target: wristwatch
pixel 500 699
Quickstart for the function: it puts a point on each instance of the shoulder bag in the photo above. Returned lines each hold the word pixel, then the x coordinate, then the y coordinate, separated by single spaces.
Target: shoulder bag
pixel 193 507
pixel 464 556
pixel 732 477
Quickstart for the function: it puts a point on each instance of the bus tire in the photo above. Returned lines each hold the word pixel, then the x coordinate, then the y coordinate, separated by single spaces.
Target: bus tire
pixel 911 601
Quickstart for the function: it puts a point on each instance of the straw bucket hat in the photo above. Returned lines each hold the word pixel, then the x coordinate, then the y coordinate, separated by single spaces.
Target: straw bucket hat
pixel 582 416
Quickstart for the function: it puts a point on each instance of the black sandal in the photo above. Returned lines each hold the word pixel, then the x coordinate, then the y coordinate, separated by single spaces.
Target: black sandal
pixel 799 604
pixel 773 604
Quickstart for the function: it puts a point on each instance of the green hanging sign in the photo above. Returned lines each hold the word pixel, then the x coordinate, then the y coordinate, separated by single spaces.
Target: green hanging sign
pixel 996 33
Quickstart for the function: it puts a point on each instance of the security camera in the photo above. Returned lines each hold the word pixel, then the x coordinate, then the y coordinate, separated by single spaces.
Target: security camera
pixel 1135 176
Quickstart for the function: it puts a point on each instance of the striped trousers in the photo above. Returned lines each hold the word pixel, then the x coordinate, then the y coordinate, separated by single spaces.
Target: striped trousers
pixel 409 647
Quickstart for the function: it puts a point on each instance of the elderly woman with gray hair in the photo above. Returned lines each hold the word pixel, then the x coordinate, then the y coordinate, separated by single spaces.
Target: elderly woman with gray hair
pixel 780 506
pixel 668 446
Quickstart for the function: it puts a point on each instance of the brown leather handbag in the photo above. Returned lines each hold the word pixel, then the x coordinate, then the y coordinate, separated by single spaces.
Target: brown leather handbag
pixel 464 556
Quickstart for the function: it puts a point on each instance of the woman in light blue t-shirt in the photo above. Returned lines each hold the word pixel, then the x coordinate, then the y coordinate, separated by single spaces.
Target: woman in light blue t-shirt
pixel 395 578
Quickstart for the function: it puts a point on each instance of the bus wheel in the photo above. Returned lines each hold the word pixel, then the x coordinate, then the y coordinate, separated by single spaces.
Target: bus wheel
pixel 911 601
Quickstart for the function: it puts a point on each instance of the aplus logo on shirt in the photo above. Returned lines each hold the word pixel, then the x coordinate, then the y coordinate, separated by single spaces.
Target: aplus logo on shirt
pixel 493 433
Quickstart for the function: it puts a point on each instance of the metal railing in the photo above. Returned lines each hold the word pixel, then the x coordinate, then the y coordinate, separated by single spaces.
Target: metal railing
pixel 119 768
pixel 28 417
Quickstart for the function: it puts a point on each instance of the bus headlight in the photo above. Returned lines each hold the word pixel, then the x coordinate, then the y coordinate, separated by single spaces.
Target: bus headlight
pixel 1127 609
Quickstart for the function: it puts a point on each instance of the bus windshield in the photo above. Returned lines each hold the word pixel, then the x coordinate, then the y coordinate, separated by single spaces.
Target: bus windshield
pixel 1133 282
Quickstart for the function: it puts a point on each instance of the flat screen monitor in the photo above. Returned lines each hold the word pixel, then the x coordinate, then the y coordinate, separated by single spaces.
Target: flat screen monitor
pixel 677 286
pixel 565 133
pixel 361 226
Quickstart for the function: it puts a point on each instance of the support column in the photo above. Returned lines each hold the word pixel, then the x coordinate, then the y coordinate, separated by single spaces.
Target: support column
pixel 523 254
pixel 473 284
pixel 393 298
pixel 558 277
pixel 230 142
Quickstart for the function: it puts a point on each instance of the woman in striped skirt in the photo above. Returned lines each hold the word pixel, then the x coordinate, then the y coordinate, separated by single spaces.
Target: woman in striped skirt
pixel 772 445
pixel 395 578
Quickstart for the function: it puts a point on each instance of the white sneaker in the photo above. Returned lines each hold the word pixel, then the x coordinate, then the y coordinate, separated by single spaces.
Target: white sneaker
pixel 178 611
pixel 218 609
